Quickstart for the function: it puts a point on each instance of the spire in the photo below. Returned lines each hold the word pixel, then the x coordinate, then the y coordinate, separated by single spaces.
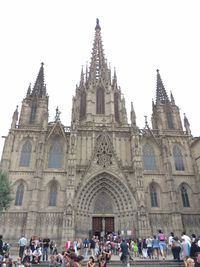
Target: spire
pixel 29 90
pixel 172 98
pixel 98 65
pixel 115 78
pixel 39 88
pixel 15 118
pixel 82 78
pixel 186 125
pixel 161 95
pixel 133 116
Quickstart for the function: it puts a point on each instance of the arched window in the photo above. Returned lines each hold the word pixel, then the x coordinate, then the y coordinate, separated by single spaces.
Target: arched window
pixel 19 195
pixel 100 101
pixel 33 112
pixel 82 105
pixel 53 194
pixel 56 155
pixel 169 116
pixel 25 154
pixel 116 106
pixel 185 198
pixel 178 159
pixel 149 157
pixel 153 195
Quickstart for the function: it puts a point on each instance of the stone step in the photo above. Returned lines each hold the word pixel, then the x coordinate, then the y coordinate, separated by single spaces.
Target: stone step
pixel 138 263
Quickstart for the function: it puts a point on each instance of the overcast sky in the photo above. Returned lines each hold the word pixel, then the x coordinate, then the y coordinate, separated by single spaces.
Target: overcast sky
pixel 138 37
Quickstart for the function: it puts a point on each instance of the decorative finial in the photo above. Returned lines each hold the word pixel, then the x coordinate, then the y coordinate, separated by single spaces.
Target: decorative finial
pixel 146 123
pixel 97 25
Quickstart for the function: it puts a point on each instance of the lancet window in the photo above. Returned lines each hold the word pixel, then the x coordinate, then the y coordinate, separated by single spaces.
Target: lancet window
pixel 149 157
pixel 100 101
pixel 178 159
pixel 19 195
pixel 56 155
pixel 25 154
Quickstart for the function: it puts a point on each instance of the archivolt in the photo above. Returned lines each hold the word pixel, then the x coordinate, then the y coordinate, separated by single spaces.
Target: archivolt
pixel 120 194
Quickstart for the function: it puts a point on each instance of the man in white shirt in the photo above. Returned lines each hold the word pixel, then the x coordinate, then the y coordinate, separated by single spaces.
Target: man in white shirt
pixel 22 243
pixel 186 238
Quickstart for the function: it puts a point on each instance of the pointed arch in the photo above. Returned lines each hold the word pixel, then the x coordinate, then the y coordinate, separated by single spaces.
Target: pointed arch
pixel 19 195
pixel 100 101
pixel 184 196
pixel 153 195
pixel 25 154
pixel 169 118
pixel 33 112
pixel 53 190
pixel 56 154
pixel 149 159
pixel 82 105
pixel 178 159
pixel 116 106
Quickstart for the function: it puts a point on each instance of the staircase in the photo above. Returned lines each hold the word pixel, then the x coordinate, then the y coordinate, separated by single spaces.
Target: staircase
pixel 136 263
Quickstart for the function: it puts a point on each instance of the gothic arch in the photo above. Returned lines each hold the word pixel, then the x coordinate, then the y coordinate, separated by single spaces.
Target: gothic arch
pixel 185 194
pixel 56 152
pixel 178 158
pixel 105 183
pixel 25 155
pixel 19 193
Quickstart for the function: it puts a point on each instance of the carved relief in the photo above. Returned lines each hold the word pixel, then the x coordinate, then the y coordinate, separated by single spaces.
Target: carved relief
pixel 104 151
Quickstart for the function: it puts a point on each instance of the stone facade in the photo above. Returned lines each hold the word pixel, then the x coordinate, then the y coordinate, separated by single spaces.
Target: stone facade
pixel 101 174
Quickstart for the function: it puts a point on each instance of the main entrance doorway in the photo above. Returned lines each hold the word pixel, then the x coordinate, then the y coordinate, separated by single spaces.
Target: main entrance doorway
pixel 102 226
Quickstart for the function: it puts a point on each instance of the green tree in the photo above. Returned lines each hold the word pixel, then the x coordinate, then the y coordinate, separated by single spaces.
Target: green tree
pixel 5 191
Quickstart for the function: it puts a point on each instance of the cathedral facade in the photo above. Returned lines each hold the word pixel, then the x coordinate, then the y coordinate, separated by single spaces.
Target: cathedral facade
pixel 101 174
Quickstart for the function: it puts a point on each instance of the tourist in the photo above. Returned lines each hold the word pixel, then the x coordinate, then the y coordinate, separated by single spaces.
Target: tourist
pixel 91 262
pixel 162 244
pixel 189 262
pixel 176 248
pixel 1 245
pixel 197 263
pixel 156 247
pixel 22 243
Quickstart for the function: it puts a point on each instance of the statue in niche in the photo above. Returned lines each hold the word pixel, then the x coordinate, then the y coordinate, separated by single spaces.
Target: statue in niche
pixel 68 210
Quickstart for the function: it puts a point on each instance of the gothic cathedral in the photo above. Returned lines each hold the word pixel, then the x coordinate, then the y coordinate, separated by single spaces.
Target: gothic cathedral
pixel 101 174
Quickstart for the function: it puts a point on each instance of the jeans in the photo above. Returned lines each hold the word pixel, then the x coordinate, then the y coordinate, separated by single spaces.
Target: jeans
pixel 45 253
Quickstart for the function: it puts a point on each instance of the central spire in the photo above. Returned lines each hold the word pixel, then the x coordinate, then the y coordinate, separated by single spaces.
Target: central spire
pixel 98 65
pixel 161 94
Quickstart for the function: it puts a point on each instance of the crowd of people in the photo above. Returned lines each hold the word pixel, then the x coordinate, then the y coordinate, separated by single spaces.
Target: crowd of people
pixel 94 252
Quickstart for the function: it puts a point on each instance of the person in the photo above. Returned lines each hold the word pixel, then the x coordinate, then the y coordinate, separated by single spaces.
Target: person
pixel 22 243
pixel 170 239
pixel 189 262
pixel 176 248
pixel 1 245
pixel 185 247
pixel 90 262
pixel 79 260
pixel 27 255
pixel 197 263
pixel 37 255
pixel 86 244
pixel 162 244
pixel 156 247
pixel 45 248
pixel 124 252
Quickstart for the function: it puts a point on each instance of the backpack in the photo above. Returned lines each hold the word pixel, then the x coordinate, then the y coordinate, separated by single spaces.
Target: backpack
pixel 162 237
